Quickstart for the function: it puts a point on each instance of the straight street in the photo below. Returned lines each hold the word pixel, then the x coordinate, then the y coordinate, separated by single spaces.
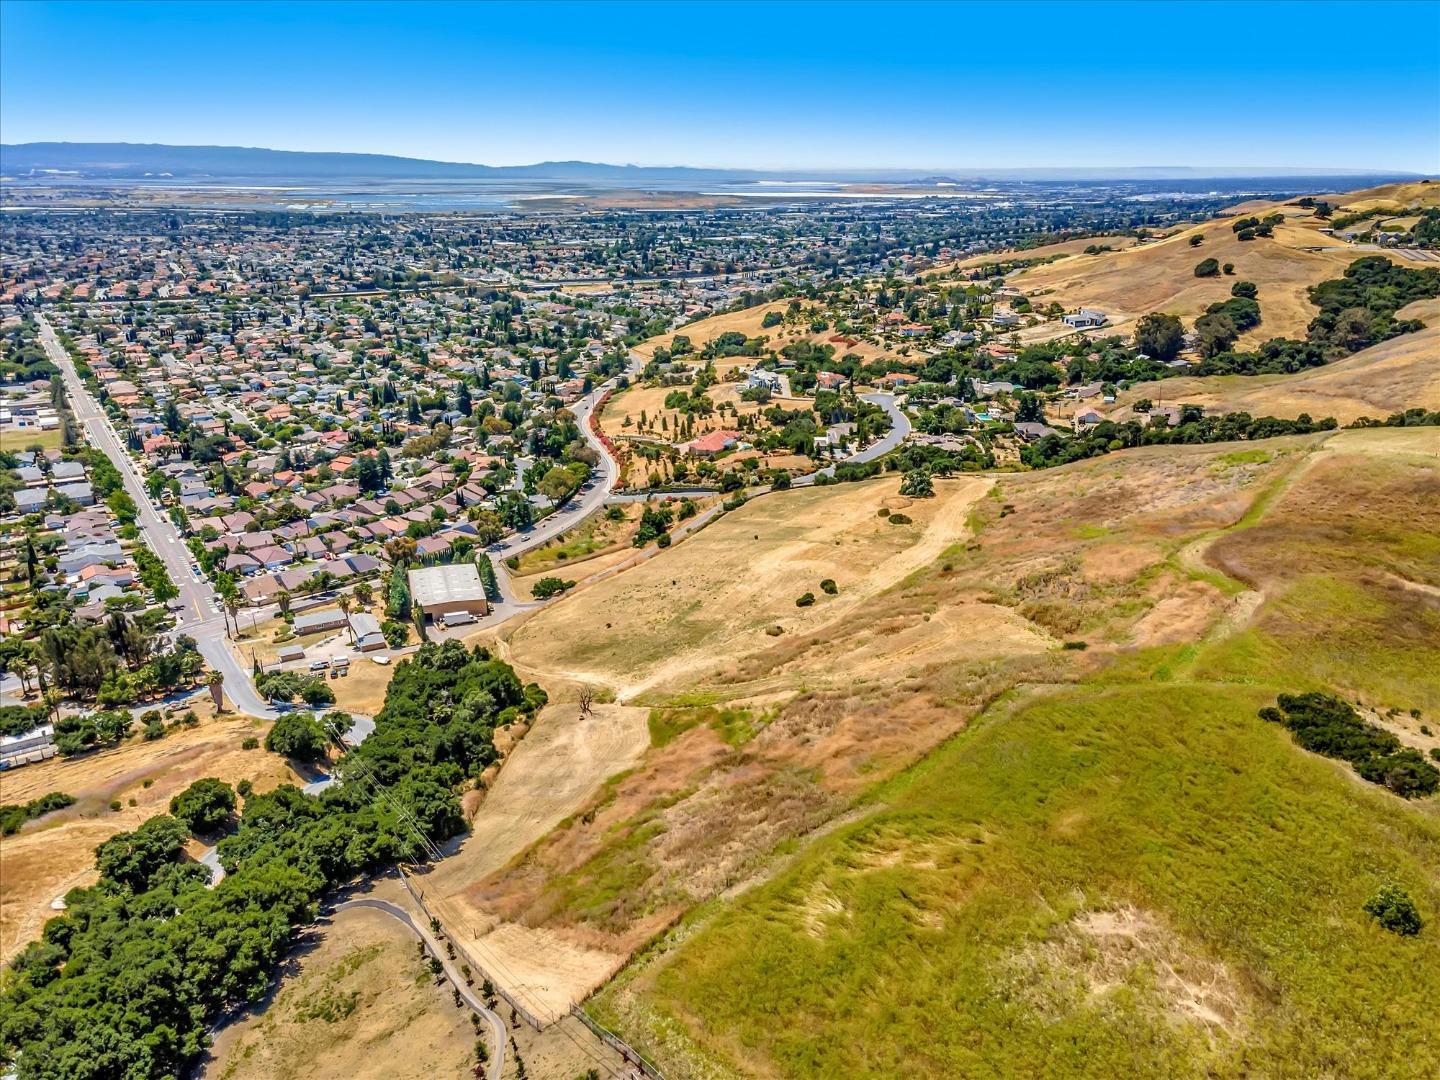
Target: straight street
pixel 200 616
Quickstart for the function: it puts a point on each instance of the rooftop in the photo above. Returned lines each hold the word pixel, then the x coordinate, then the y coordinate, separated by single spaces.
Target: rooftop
pixel 443 584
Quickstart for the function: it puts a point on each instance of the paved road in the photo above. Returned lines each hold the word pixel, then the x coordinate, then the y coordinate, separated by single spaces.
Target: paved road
pixel 602 480
pixel 200 616
pixel 899 428
pixel 497 1026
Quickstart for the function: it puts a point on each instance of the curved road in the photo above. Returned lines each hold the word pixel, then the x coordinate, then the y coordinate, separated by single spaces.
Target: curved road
pixel 899 428
pixel 602 481
pixel 497 1026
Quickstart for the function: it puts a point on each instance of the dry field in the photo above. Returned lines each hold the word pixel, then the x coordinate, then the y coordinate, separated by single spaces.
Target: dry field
pixel 705 608
pixel 551 773
pixel 1160 276
pixel 758 740
pixel 1386 378
pixel 56 853
pixel 356 1003
pixel 1412 195
pixel 1046 251
pixel 706 330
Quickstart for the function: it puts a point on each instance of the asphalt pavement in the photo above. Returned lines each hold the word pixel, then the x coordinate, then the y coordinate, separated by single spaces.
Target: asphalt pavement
pixel 199 614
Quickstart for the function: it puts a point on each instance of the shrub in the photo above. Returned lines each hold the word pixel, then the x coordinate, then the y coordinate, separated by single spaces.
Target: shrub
pixel 14 815
pixel 1326 725
pixel 900 519
pixel 805 599
pixel 917 484
pixel 1076 646
pixel 1207 268
pixel 397 634
pixel 1393 909
pixel 884 511
pixel 250 742
pixel 828 587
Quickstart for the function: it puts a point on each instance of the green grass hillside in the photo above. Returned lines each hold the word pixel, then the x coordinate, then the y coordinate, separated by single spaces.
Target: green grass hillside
pixel 1133 875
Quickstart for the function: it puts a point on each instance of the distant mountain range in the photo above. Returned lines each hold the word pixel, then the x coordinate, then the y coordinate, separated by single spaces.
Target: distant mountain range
pixel 141 161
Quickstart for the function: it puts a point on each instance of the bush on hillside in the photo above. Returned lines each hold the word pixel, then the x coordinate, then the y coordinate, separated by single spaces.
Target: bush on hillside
pixel 1324 724
pixel 1393 909
pixel 205 805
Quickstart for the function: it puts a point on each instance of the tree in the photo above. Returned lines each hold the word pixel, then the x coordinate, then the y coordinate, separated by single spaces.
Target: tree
pixel 1027 409
pixel 282 601
pixel 1207 268
pixel 364 593
pixel 1216 332
pixel 489 527
pixel 397 601
pixel 1393 909
pixel 205 805
pixel 547 587
pixel 1160 336
pixel 557 484
pixel 1197 239
pixel 131 859
pixel 917 484
pixel 297 735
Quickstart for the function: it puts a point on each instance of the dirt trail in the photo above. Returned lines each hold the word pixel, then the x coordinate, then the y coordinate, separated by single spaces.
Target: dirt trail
pixel 553 772
pixel 549 775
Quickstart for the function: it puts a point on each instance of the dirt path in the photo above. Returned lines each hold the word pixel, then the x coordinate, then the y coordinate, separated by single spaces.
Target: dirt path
pixel 550 774
pixel 553 772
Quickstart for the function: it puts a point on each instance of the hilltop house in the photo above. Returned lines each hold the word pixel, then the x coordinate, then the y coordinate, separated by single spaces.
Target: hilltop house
pixel 1086 318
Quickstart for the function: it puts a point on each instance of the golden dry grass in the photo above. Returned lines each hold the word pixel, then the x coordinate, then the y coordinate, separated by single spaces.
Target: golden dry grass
pixel 357 1004
pixel 1045 251
pixel 1160 276
pixel 55 854
pixel 1386 378
pixel 706 330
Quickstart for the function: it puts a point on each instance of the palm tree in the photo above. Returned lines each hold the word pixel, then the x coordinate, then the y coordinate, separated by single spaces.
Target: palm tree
pixel 344 604
pixel 282 601
pixel 215 680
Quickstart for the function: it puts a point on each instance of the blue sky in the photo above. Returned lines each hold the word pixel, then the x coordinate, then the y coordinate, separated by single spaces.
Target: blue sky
pixel 1322 85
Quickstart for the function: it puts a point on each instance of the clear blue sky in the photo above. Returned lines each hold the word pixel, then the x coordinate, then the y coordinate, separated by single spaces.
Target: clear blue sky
pixel 1326 85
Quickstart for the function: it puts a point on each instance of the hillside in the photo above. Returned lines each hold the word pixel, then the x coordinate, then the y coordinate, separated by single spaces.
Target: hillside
pixel 1115 868
pixel 1387 378
pixel 1160 276
pixel 910 792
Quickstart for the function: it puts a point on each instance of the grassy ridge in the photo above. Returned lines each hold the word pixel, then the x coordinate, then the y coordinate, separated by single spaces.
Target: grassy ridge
pixel 892 949
pixel 967 926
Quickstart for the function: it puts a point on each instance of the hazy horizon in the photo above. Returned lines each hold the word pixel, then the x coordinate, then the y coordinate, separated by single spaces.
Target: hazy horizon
pixel 778 88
